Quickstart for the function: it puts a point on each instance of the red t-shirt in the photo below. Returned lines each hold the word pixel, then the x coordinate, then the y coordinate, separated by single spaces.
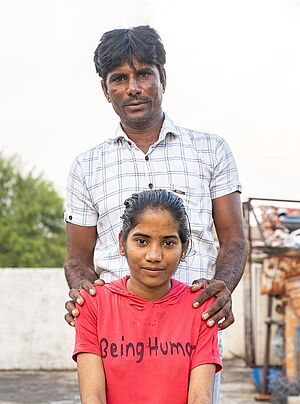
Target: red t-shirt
pixel 148 348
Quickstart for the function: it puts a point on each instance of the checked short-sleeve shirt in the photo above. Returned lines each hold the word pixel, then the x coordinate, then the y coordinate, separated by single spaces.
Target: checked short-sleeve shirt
pixel 198 167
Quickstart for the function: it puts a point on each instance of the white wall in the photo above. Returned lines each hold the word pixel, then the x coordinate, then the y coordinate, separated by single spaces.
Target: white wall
pixel 234 337
pixel 33 332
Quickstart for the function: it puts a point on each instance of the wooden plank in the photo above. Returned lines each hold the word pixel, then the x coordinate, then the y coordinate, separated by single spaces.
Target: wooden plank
pixel 249 340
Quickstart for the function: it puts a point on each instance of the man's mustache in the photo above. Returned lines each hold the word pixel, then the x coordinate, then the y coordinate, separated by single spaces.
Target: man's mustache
pixel 139 98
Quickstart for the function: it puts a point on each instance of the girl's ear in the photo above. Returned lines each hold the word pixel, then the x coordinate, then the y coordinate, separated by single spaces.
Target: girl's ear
pixel 121 244
pixel 184 250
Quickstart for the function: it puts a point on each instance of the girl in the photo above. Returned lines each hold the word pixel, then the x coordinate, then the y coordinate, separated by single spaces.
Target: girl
pixel 139 340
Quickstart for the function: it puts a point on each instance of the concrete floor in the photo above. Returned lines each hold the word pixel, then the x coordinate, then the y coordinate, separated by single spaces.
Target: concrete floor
pixel 236 385
pixel 61 387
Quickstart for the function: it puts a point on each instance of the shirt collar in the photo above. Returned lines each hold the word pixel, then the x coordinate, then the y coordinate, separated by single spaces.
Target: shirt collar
pixel 167 127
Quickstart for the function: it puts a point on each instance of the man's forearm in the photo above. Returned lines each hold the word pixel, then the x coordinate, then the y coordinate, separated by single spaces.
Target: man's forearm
pixel 231 262
pixel 76 270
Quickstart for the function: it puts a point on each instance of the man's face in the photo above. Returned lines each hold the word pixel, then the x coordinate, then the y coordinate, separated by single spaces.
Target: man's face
pixel 135 93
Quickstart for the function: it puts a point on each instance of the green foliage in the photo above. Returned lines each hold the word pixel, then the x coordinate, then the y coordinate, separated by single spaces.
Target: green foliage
pixel 31 226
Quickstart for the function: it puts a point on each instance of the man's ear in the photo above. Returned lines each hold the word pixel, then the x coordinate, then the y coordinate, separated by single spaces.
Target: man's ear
pixel 164 81
pixel 121 244
pixel 104 89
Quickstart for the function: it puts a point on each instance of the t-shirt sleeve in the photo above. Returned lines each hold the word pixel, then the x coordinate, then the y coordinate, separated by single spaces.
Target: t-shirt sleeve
pixel 207 347
pixel 225 178
pixel 79 208
pixel 86 332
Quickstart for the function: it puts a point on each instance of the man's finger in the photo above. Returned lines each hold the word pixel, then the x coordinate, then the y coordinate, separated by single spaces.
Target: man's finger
pixel 71 308
pixel 75 295
pixel 216 312
pixel 216 317
pixel 99 282
pixel 88 286
pixel 69 319
pixel 199 284
pixel 222 303
pixel 196 286
pixel 227 322
pixel 206 294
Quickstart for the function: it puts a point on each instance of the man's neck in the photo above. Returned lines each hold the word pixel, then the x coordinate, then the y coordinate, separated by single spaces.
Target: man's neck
pixel 146 135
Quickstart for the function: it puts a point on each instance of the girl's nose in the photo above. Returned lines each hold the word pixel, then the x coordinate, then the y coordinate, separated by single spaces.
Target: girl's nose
pixel 154 254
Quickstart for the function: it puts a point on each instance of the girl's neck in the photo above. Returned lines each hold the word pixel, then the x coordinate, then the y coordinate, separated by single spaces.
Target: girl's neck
pixel 147 293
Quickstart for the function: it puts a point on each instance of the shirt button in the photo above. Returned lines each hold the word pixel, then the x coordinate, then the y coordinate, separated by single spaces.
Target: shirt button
pixel 150 186
pixel 147 158
pixel 70 217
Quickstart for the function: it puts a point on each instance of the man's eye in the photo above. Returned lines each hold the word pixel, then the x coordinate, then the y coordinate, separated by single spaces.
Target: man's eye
pixel 144 74
pixel 118 78
pixel 141 241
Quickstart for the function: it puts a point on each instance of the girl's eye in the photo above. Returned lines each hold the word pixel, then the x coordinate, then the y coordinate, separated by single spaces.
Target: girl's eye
pixel 169 243
pixel 144 74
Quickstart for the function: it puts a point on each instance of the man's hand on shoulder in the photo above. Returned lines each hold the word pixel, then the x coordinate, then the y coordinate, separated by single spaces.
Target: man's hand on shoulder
pixel 221 308
pixel 77 298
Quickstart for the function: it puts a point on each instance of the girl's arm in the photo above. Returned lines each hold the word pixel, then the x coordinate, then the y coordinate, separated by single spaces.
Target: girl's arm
pixel 91 379
pixel 201 384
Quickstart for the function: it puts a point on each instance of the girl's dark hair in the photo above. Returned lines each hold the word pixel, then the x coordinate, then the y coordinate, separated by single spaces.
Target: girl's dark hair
pixel 136 205
pixel 124 45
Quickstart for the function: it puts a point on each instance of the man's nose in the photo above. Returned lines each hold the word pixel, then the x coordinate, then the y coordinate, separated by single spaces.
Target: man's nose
pixel 154 254
pixel 134 87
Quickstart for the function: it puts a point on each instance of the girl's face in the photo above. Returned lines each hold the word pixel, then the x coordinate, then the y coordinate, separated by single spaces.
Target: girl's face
pixel 153 251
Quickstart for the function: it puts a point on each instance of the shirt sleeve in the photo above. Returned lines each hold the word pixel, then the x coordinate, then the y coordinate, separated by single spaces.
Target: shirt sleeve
pixel 79 208
pixel 225 178
pixel 86 330
pixel 207 347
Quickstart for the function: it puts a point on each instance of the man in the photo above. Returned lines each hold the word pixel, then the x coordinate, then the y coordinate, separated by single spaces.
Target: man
pixel 149 151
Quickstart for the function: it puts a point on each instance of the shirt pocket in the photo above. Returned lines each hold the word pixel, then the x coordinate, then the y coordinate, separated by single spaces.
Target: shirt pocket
pixel 198 207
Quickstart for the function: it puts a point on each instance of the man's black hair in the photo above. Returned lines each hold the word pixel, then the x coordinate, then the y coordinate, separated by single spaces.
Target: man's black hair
pixel 118 46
